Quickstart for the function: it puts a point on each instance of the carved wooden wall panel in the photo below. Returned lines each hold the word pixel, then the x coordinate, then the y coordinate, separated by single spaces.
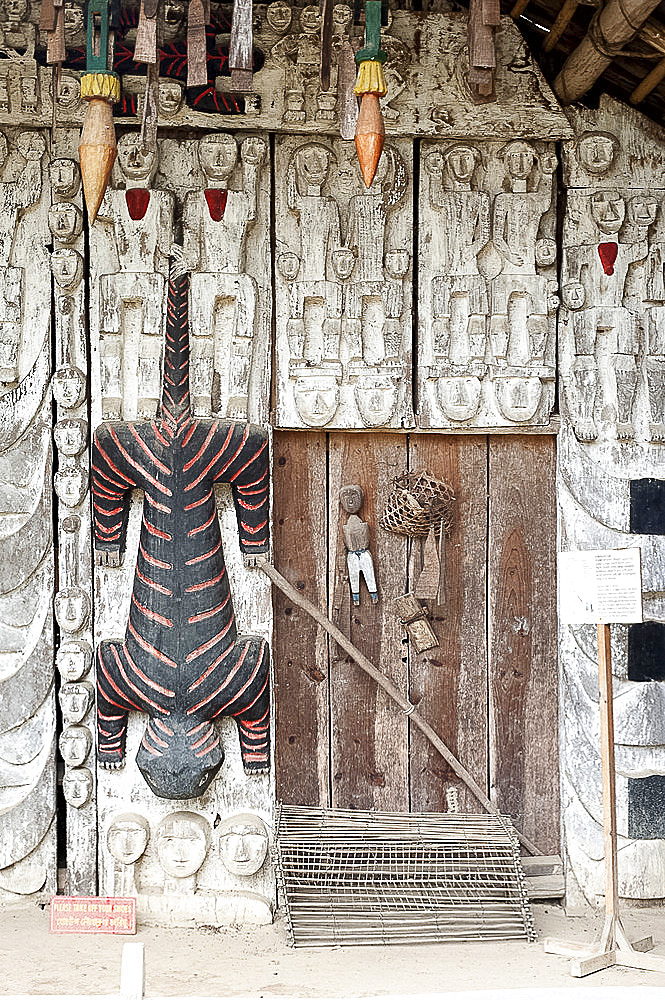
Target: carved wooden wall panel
pixel 488 284
pixel 612 365
pixel 212 198
pixel 27 690
pixel 343 286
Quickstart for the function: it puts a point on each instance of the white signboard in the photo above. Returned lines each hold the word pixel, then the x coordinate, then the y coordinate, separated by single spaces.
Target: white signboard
pixel 600 587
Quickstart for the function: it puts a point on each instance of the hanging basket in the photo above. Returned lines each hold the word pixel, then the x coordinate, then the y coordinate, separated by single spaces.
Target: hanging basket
pixel 417 503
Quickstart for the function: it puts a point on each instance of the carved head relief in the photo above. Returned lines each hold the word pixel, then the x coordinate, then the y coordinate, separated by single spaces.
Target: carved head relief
pixel 310 19
pixel 341 17
pixel 69 89
pixel 65 220
pixel 278 16
pixel 573 295
pixel 70 436
pixel 77 786
pixel 183 839
pixel 519 158
pixel 596 151
pixel 64 174
pixel 127 837
pixel 136 162
pixel 243 844
pixel 351 498
pixel 75 700
pixel 173 19
pixel 461 162
pixel 608 210
pixel 68 385
pixel 642 209
pixel 218 155
pixel 459 397
pixel 16 11
pixel 73 660
pixel 311 164
pixel 74 21
pixel 545 252
pixel 376 398
pixel 70 483
pixel 316 399
pixel 75 743
pixel 169 98
pixel 67 267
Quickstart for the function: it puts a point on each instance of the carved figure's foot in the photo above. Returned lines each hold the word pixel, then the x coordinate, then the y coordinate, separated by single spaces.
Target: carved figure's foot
pixel 625 431
pixel 108 557
pixel 657 432
pixel 585 430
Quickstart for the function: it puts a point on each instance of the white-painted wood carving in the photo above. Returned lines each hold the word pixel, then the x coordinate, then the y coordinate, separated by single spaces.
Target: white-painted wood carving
pixel 27 701
pixel 488 284
pixel 343 286
pixel 216 192
pixel 611 359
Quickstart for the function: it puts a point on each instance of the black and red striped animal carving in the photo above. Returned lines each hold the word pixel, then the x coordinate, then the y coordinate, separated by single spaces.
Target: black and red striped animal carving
pixel 182 661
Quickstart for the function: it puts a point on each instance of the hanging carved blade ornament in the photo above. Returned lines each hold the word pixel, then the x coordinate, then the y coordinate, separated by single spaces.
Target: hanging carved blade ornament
pixel 370 86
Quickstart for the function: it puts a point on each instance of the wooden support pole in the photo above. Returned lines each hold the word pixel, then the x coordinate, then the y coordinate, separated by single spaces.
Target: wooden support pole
pixel 563 19
pixel 519 8
pixel 384 682
pixel 649 83
pixel 611 28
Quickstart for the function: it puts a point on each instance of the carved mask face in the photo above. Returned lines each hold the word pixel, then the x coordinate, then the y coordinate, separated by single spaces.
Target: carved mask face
pixel 67 267
pixel 573 295
pixel 278 16
pixel 135 162
pixel 70 436
pixel 65 221
pixel 182 843
pixel 461 162
pixel 351 499
pixel 519 158
pixel 16 11
pixel 608 210
pixel 310 20
pixel 170 97
pixel 642 210
pixel 70 484
pixel 69 91
pixel 74 744
pixel 75 700
pixel 341 16
pixel 545 252
pixel 64 177
pixel 127 838
pixel 596 152
pixel 72 608
pixel 77 786
pixel 74 23
pixel 73 660
pixel 316 399
pixel 375 398
pixel 68 385
pixel 312 164
pixel 173 19
pixel 218 155
pixel 243 844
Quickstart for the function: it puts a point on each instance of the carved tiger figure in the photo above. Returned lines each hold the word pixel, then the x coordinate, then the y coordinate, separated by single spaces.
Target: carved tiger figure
pixel 182 661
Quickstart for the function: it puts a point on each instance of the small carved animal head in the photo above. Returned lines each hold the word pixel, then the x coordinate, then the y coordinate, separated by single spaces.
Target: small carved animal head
pixel 179 757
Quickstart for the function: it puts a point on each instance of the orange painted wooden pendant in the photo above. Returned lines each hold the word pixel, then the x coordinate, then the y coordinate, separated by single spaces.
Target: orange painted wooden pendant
pixel 370 136
pixel 97 153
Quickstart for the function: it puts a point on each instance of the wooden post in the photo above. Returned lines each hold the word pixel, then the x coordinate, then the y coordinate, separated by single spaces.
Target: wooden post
pixel 649 83
pixel 563 19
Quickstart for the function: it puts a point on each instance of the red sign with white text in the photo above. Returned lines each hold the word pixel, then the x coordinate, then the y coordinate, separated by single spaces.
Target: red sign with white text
pixel 93 915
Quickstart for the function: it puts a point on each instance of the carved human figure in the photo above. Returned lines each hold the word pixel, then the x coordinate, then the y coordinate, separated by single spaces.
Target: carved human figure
pixel 72 604
pixel 520 303
pixel 372 297
pixel 299 53
pixel 653 295
pixel 183 840
pixel 462 230
pixel 132 264
pixel 356 539
pixel 595 275
pixel 243 844
pixel 126 839
pixel 77 786
pixel 17 194
pixel 19 88
pixel 315 300
pixel 217 222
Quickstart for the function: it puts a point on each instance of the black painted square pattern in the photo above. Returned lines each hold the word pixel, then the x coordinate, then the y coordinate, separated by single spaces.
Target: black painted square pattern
pixel 646 652
pixel 646 807
pixel 647 506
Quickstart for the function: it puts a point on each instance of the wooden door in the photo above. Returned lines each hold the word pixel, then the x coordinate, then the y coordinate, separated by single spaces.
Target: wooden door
pixel 489 689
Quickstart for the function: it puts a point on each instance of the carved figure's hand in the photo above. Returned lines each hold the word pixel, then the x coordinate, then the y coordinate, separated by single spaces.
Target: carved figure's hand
pixel 434 164
pixel 254 560
pixel 108 557
pixel 253 149
pixel 516 258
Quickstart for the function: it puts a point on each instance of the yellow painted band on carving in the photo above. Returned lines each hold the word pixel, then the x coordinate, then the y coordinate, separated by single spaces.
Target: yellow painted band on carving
pixel 104 85
pixel 371 79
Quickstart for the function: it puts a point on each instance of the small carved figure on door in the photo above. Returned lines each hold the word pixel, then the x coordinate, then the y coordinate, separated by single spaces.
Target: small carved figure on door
pixel 356 540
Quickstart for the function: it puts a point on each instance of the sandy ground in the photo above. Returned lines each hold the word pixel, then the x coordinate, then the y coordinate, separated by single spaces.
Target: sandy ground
pixel 259 963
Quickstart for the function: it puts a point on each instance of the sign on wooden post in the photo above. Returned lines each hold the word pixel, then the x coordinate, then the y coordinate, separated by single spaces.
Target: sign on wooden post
pixel 93 915
pixel 602 587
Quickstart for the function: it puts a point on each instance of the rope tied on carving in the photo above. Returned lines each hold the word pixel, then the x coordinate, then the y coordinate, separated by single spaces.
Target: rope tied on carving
pixel 599 40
